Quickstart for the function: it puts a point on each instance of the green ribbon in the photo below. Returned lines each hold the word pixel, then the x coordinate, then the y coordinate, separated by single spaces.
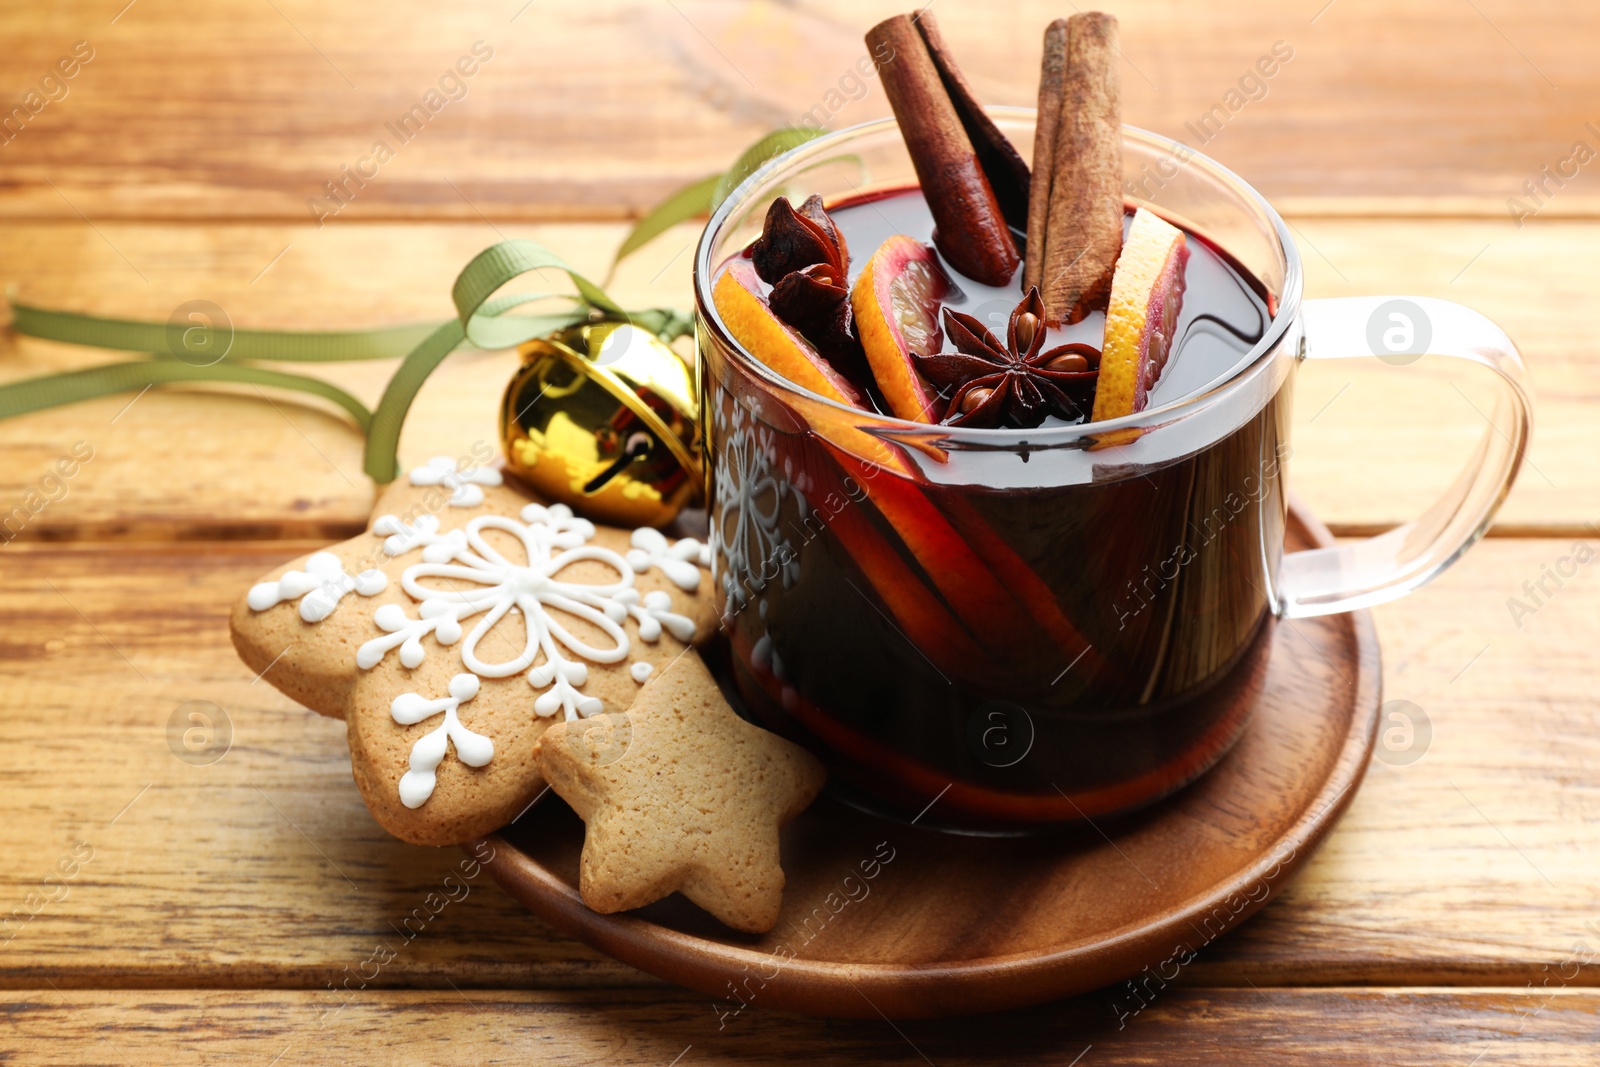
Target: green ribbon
pixel 58 390
pixel 482 319
pixel 277 346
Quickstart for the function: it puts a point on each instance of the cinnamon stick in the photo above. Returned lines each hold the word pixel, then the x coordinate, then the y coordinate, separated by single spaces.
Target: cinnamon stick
pixel 1081 200
pixel 999 159
pixel 1051 73
pixel 970 228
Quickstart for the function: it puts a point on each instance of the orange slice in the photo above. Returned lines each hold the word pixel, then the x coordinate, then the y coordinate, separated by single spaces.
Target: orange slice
pixel 922 618
pixel 896 304
pixel 745 313
pixel 1146 295
pixel 1026 586
pixel 979 599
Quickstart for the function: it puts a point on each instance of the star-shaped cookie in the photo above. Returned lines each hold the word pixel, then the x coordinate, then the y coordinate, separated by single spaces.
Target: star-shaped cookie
pixel 467 620
pixel 681 795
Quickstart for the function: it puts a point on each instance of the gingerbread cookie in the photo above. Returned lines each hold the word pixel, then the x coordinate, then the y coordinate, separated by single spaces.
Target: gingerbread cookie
pixel 679 794
pixel 458 629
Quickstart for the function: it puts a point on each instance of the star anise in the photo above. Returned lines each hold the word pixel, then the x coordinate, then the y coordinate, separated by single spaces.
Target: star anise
pixel 1013 384
pixel 803 256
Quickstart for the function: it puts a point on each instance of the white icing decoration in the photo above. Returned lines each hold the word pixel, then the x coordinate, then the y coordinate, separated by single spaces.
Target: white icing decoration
pixel 476 579
pixel 319 587
pixel 747 538
pixel 642 672
pixel 466 485
pixel 400 538
pixel 475 750
pixel 680 561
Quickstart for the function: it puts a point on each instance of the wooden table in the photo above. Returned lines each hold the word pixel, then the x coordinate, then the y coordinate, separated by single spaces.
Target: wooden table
pixel 212 909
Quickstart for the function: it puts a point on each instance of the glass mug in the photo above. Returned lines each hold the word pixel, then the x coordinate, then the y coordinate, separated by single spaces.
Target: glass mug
pixel 1041 626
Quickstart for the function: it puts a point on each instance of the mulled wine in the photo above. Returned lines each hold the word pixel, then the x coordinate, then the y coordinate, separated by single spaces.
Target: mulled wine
pixel 987 533
pixel 1035 654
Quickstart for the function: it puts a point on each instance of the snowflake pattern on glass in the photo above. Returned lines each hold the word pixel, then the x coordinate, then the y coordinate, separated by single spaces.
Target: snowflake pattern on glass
pixel 748 545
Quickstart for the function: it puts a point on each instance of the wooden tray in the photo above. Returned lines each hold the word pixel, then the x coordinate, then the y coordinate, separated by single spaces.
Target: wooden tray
pixel 954 925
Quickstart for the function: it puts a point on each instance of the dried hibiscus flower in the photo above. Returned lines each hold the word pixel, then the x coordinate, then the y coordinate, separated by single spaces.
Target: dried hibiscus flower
pixel 1015 384
pixel 803 256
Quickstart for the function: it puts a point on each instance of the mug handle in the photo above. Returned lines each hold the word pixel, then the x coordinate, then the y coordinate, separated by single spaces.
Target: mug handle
pixel 1399 330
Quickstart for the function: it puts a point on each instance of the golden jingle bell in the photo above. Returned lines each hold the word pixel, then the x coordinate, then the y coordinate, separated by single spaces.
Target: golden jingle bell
pixel 603 417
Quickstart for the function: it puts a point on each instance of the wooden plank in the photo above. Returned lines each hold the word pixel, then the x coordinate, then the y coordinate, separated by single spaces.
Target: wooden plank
pixel 1491 807
pixel 244 110
pixel 1472 865
pixel 1372 440
pixel 1181 1027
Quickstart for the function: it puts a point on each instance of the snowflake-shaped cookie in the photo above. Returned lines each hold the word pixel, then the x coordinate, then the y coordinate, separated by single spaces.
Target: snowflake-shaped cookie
pixel 470 628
